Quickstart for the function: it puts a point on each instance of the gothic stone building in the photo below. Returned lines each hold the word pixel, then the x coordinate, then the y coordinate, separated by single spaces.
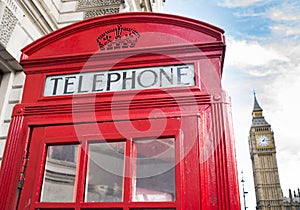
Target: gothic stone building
pixel 22 22
pixel 264 163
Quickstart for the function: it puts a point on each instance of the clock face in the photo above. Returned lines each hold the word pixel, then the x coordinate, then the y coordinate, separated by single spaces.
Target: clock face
pixel 263 140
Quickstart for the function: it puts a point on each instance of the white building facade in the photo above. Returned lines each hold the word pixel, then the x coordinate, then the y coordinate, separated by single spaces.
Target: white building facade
pixel 23 21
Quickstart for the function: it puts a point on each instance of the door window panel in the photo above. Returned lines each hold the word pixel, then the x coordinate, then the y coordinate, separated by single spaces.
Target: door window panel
pixel 153 170
pixel 104 182
pixel 91 175
pixel 60 174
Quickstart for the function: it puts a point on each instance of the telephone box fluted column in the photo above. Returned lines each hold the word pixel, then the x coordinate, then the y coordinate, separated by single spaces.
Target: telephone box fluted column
pixel 13 159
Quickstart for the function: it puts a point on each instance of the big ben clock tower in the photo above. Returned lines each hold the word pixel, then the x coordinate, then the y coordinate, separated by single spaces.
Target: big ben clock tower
pixel 263 155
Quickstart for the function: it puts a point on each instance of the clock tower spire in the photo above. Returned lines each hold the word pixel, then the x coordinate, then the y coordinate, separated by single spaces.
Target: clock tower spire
pixel 264 163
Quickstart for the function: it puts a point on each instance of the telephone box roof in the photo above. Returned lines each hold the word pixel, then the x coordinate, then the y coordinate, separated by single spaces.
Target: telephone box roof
pixel 152 30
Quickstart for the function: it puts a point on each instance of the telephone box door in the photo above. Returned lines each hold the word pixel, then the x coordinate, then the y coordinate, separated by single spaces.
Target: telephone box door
pixel 118 165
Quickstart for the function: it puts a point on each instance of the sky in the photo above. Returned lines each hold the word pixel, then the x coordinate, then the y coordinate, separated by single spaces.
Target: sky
pixel 262 54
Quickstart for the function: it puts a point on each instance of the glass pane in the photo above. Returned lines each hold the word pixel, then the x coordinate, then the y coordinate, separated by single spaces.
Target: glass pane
pixel 104 181
pixel 60 174
pixel 154 166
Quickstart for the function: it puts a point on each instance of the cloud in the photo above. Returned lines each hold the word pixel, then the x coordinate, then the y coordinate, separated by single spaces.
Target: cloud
pixel 285 30
pixel 284 12
pixel 249 54
pixel 285 104
pixel 286 18
pixel 239 3
pixel 247 13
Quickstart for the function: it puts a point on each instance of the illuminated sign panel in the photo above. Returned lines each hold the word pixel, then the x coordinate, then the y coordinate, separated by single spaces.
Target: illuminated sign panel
pixel 120 80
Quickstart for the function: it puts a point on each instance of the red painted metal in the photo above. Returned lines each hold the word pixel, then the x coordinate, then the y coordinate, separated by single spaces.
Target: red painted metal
pixel 198 117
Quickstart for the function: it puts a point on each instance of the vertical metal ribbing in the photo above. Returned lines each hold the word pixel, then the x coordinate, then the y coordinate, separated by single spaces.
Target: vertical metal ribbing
pixel 24 164
pixel 8 176
pixel 227 181
pixel 219 141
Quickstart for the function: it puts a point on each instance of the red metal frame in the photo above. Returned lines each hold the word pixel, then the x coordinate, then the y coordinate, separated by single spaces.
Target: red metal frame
pixel 198 116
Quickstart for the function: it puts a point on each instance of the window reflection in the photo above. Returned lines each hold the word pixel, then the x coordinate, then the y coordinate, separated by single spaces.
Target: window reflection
pixel 154 170
pixel 60 174
pixel 63 152
pixel 104 181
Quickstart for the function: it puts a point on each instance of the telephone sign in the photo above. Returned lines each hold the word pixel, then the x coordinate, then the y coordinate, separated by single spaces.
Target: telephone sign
pixel 120 80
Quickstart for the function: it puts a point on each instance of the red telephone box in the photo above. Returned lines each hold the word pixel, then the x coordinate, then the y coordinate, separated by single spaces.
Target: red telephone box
pixel 122 112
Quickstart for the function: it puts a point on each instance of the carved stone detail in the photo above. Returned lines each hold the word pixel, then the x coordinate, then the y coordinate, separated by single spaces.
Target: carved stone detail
pixel 100 12
pixel 7 26
pixel 83 4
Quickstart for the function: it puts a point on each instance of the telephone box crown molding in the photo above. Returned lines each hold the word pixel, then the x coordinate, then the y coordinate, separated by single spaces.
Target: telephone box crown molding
pixel 128 29
pixel 108 58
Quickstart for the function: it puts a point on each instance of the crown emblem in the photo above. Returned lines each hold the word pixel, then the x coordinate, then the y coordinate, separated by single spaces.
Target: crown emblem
pixel 117 38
